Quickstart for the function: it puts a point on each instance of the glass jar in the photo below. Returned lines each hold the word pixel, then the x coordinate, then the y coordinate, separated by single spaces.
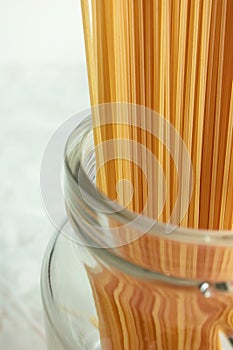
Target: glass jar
pixel 100 293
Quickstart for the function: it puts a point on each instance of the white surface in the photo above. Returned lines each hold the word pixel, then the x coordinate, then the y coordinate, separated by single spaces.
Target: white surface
pixel 34 100
pixel 42 82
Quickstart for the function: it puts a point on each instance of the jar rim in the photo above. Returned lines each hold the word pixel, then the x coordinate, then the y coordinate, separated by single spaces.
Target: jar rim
pixel 201 236
pixel 200 246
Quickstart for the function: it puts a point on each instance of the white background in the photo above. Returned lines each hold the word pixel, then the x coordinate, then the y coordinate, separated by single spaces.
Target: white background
pixel 42 31
pixel 43 82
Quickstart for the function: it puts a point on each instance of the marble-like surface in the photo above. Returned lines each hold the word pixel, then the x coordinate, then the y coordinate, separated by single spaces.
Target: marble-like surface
pixel 34 101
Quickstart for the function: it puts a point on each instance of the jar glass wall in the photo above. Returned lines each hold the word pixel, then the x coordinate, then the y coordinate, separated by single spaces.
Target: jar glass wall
pixel 100 293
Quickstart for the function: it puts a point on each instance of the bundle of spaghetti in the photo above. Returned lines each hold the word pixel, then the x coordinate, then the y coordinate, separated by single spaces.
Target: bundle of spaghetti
pixel 175 58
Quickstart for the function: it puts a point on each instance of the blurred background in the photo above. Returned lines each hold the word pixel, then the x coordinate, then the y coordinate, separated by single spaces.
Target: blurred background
pixel 43 82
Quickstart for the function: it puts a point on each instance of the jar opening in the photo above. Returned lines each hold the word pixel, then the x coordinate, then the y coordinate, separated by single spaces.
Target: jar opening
pixel 102 223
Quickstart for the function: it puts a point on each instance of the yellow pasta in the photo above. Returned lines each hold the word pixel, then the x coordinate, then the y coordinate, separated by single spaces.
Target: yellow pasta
pixel 175 58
